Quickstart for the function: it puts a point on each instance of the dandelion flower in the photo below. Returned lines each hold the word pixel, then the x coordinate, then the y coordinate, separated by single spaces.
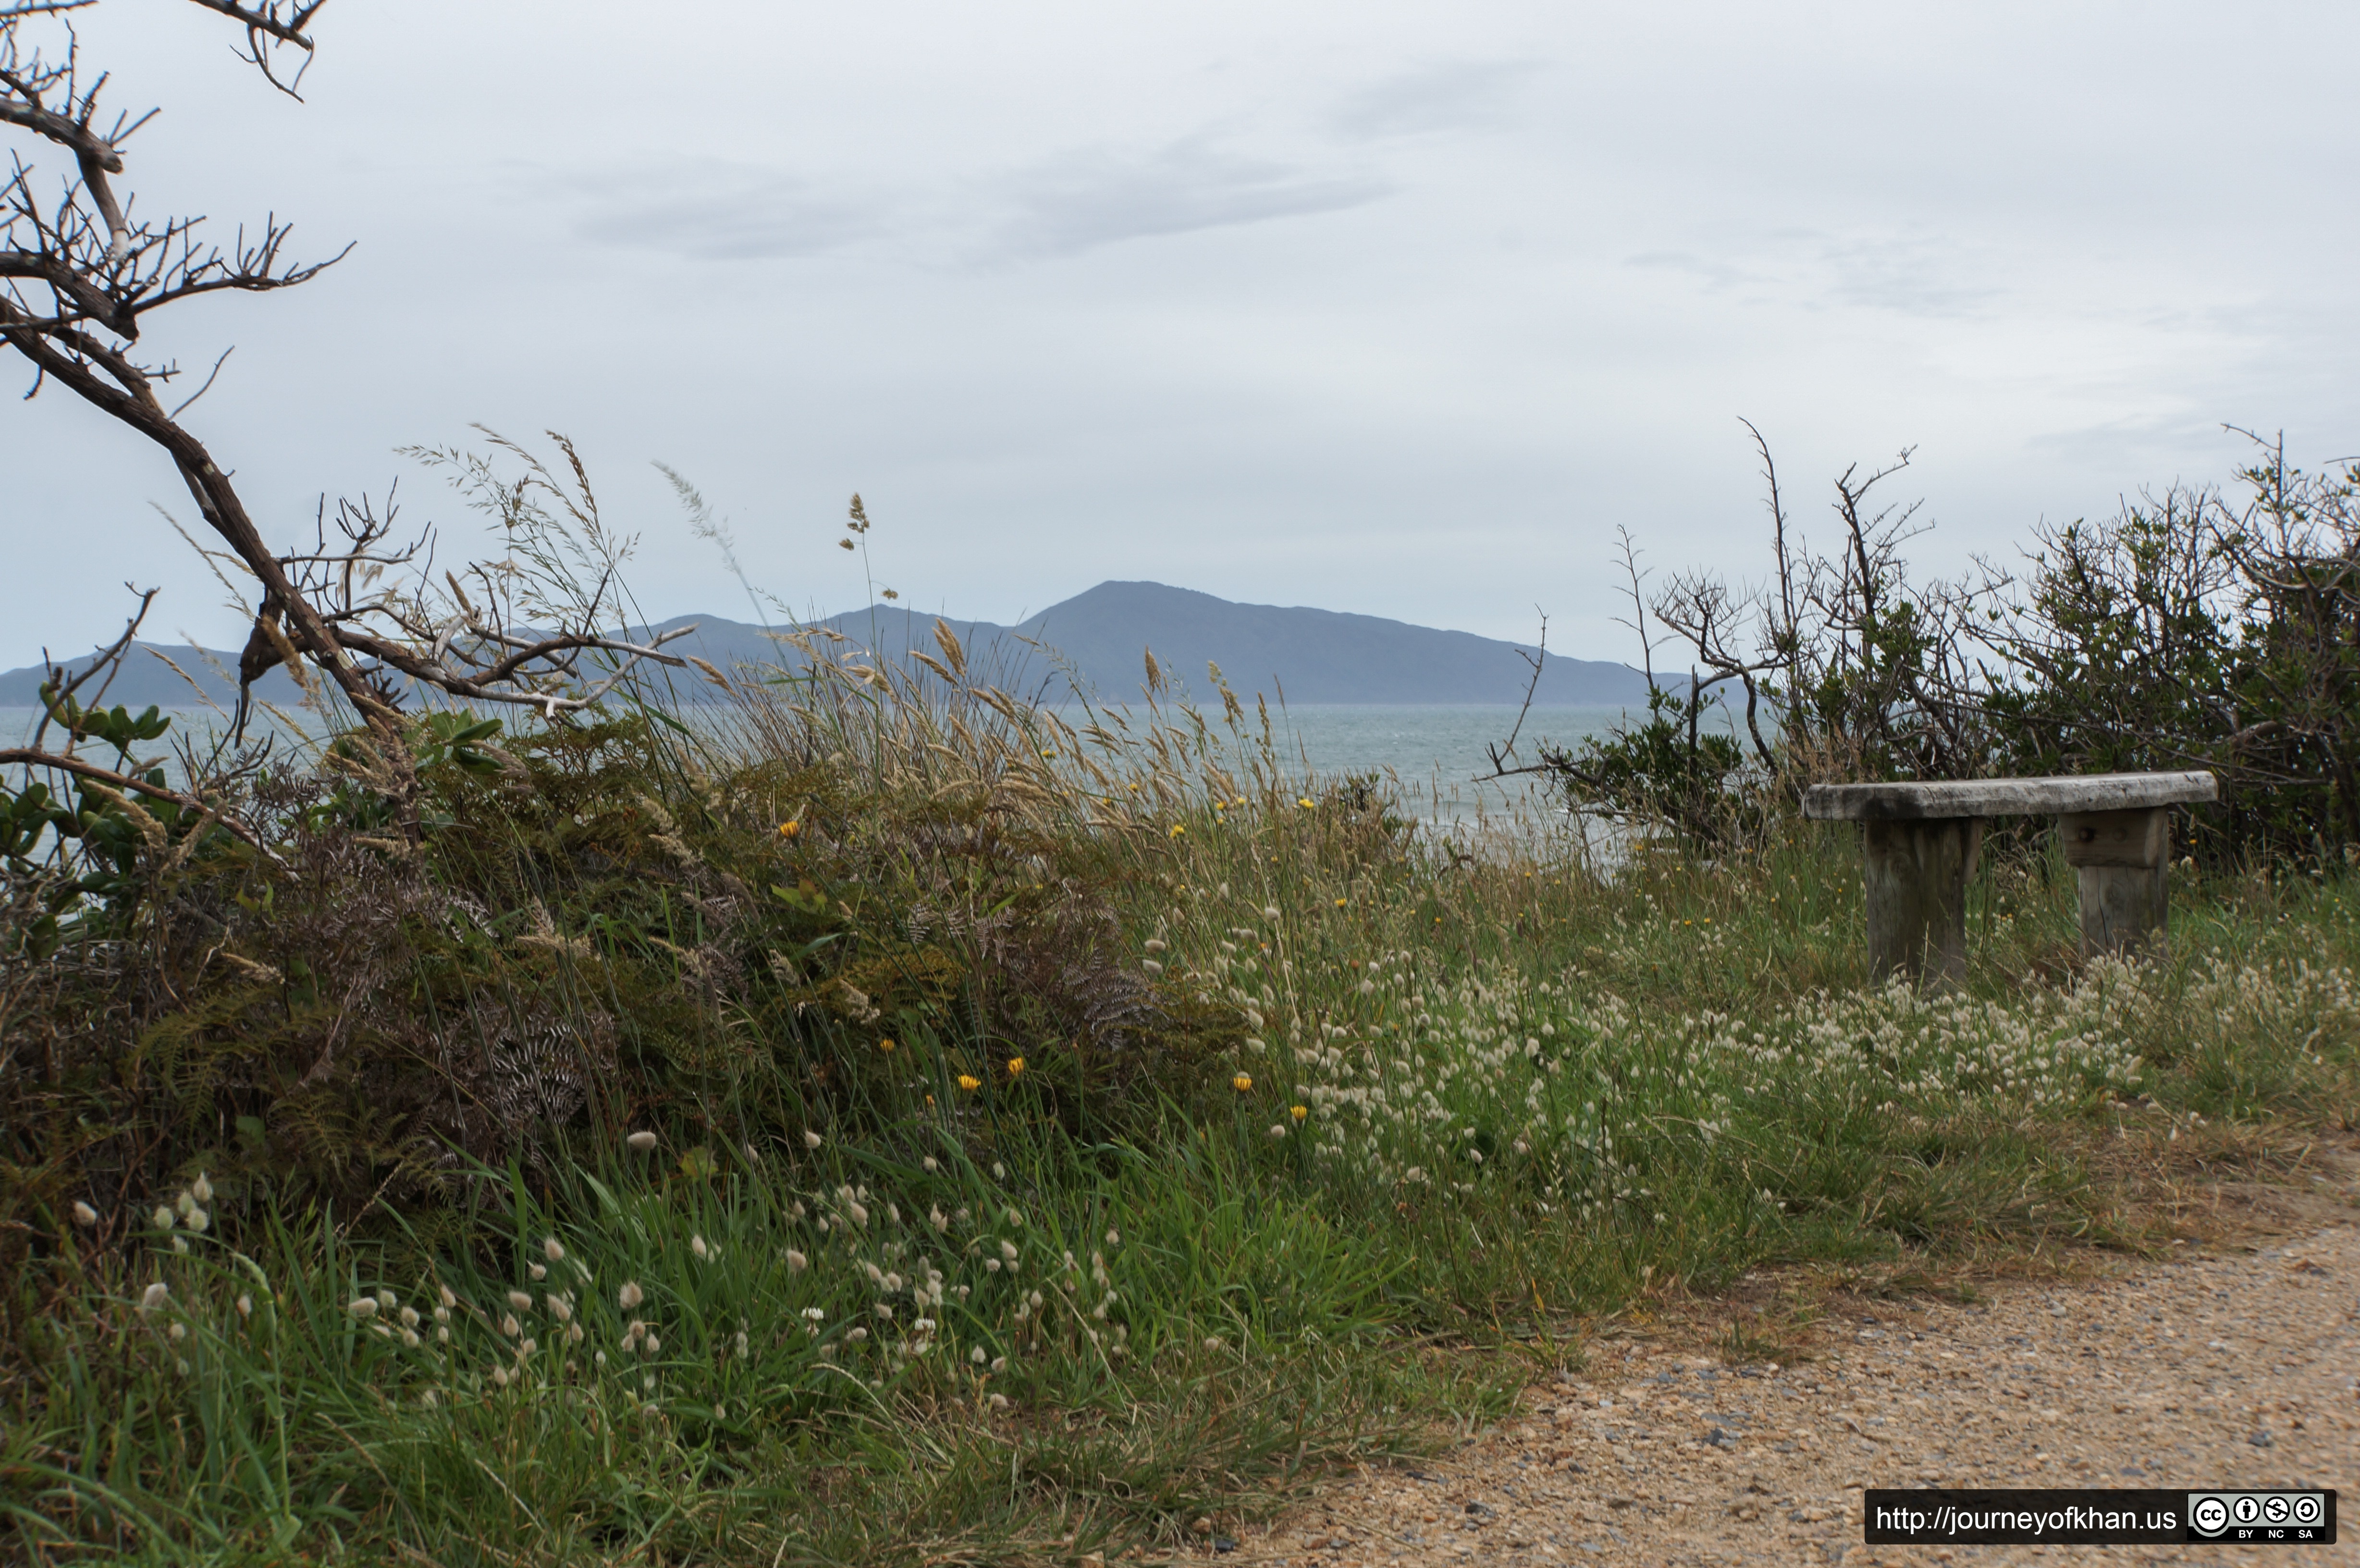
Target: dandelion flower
pixel 885 1045
pixel 641 1142
pixel 789 829
pixel 1015 1066
pixel 552 1250
pixel 812 1140
pixel 363 1307
pixel 1304 801
pixel 163 1218
pixel 969 1082
pixel 1299 1112
pixel 1242 1082
pixel 155 1296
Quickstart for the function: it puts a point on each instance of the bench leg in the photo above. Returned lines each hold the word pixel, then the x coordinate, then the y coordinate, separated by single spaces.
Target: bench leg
pixel 1915 881
pixel 2122 857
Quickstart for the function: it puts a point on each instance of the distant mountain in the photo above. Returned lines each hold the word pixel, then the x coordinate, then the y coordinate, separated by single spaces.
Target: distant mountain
pixel 1102 636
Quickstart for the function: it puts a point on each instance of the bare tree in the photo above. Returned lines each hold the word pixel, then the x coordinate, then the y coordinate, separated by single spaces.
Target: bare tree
pixel 81 268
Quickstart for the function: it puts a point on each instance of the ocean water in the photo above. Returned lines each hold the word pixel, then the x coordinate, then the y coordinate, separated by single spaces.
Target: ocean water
pixel 1434 747
pixel 1437 755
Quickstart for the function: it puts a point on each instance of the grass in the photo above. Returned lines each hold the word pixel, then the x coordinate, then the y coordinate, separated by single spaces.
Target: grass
pixel 1066 1133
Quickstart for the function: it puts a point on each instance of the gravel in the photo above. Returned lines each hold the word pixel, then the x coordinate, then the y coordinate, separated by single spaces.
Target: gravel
pixel 2228 1370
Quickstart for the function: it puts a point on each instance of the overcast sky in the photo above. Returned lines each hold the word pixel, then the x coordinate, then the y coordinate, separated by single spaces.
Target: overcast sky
pixel 1385 308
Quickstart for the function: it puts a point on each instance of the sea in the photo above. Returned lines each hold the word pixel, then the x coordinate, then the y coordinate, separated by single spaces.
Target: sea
pixel 1440 757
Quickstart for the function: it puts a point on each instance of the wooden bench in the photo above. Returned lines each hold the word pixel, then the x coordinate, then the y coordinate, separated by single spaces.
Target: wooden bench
pixel 1919 843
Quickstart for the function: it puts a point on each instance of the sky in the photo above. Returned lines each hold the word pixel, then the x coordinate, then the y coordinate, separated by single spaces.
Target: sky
pixel 1395 308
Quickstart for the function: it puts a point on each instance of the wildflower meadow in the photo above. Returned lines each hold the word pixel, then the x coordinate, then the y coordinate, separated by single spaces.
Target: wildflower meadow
pixel 870 1119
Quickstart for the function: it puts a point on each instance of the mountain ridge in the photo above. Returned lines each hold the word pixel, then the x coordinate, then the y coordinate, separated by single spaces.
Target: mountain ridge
pixel 1099 638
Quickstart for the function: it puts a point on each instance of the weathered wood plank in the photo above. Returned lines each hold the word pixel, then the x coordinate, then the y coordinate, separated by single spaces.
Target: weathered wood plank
pixel 2141 838
pixel 1915 882
pixel 2008 797
pixel 2123 907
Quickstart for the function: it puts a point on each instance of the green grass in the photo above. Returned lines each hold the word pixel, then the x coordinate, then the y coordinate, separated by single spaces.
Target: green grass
pixel 1326 1135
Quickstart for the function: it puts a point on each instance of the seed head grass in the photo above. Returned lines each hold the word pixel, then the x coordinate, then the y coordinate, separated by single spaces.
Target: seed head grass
pixel 1095 1096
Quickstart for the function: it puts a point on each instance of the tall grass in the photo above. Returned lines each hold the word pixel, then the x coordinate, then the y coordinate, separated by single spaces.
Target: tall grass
pixel 1023 1133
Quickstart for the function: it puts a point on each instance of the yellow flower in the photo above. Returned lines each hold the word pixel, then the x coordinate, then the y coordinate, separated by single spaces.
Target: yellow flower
pixel 969 1082
pixel 1177 829
pixel 789 829
pixel 1340 903
pixel 1299 1112
pixel 1304 801
pixel 1241 1083
pixel 1015 1065
pixel 884 1045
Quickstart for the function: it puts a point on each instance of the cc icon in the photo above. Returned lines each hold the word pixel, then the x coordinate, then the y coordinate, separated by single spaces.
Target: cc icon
pixel 2210 1515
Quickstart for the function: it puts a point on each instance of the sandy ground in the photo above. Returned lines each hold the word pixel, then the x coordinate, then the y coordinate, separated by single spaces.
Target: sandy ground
pixel 2235 1364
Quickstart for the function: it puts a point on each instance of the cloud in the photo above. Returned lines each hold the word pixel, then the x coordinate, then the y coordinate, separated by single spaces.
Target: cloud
pixel 1082 200
pixel 1916 274
pixel 718 212
pixel 1913 273
pixel 1459 96
pixel 1713 272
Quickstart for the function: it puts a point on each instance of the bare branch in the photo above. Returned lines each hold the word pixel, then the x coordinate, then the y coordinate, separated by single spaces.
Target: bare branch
pixel 122 784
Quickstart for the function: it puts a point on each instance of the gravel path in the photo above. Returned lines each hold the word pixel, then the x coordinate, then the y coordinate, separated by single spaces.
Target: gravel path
pixel 2236 1368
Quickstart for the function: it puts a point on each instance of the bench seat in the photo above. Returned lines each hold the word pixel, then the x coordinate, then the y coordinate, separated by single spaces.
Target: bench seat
pixel 1919 842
